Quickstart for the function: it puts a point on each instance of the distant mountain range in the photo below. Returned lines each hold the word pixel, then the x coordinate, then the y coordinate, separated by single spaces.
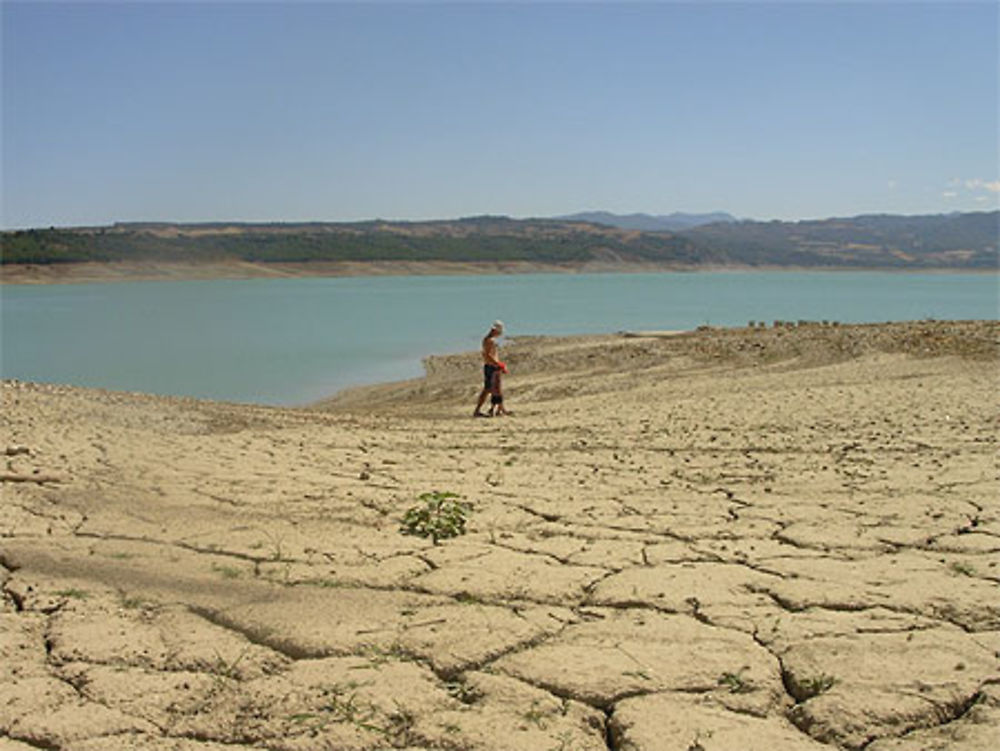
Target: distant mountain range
pixel 650 222
pixel 955 241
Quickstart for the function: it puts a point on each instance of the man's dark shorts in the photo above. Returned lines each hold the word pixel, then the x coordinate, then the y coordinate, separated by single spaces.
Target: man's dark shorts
pixel 488 372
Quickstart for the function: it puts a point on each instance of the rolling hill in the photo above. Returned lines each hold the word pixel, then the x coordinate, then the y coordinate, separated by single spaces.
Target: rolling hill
pixel 955 241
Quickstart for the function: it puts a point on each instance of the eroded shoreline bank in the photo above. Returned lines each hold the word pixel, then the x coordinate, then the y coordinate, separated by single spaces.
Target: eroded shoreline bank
pixel 79 273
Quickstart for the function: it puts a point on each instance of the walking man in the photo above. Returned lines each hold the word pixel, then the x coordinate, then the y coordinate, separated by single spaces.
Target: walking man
pixel 492 368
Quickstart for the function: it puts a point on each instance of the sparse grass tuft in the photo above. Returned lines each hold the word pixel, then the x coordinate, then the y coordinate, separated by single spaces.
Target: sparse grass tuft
pixel 275 545
pixel 563 741
pixel 378 656
pixel 735 682
pixel 818 684
pixel 463 692
pixel 351 710
pixel 227 572
pixel 535 716
pixel 341 704
pixel 399 726
pixel 228 668
pixel 963 569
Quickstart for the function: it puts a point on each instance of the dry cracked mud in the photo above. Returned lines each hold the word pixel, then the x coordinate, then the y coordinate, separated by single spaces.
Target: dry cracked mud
pixel 721 540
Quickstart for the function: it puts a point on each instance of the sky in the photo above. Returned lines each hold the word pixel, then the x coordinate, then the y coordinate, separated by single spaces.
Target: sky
pixel 322 111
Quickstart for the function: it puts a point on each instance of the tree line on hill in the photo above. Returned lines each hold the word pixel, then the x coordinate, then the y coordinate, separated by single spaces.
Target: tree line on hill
pixel 966 240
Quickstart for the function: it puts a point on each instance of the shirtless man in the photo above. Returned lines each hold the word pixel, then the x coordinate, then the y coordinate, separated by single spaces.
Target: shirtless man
pixel 492 368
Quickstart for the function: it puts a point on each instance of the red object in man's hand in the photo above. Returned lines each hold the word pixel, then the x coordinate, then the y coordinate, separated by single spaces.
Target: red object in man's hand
pixel 503 366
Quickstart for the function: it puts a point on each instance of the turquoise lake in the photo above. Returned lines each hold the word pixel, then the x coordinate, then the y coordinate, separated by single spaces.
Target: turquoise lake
pixel 292 341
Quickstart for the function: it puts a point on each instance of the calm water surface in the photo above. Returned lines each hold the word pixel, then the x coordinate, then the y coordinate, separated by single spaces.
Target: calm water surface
pixel 291 341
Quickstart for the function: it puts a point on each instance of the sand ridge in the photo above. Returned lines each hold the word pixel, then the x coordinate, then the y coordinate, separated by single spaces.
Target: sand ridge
pixel 131 271
pixel 151 270
pixel 781 538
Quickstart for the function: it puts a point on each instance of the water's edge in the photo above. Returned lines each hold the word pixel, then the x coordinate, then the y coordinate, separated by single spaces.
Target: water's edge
pixel 136 271
pixel 298 340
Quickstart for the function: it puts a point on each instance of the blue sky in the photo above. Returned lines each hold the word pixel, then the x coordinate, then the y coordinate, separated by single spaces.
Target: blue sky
pixel 327 111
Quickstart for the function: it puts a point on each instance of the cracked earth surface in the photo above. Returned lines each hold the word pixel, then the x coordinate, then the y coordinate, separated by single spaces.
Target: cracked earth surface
pixel 742 539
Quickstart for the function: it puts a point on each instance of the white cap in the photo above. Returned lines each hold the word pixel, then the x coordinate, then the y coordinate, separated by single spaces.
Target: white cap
pixel 498 325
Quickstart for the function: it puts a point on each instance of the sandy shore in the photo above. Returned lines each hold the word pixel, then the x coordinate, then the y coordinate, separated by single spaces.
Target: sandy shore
pixel 748 539
pixel 135 271
pixel 69 273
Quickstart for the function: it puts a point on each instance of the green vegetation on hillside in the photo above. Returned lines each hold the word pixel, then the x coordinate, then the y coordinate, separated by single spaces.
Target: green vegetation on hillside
pixel 482 240
pixel 952 241
pixel 938 241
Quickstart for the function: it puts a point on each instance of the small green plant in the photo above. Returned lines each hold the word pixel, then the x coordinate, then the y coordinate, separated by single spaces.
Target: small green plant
pixel 463 692
pixel 229 668
pixel 227 572
pixel 340 703
pixel 378 655
pixel 735 682
pixel 275 545
pixel 818 685
pixel 535 716
pixel 439 516
pixel 353 711
pixel 957 567
pixel 399 726
pixel 563 741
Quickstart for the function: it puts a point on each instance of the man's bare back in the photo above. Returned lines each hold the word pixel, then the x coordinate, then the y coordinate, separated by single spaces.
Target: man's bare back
pixel 490 349
pixel 492 369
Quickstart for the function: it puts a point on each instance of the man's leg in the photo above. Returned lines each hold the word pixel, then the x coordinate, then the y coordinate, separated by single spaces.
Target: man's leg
pixel 479 405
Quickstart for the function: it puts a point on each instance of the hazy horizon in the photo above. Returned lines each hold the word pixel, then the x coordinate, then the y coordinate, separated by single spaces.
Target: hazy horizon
pixel 328 112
